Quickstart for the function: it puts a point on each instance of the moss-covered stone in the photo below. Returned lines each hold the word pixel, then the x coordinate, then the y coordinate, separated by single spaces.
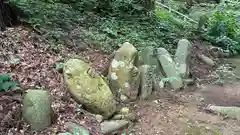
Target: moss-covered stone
pixel 182 56
pixel 146 85
pixel 169 68
pixel 89 88
pixel 123 73
pixel 149 58
pixel 37 109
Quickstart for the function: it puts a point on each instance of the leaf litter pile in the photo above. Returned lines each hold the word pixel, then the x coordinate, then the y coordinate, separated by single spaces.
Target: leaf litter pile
pixel 31 63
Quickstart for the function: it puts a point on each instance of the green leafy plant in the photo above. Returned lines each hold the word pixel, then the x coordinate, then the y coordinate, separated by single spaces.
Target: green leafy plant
pixel 224 30
pixel 104 24
pixel 6 83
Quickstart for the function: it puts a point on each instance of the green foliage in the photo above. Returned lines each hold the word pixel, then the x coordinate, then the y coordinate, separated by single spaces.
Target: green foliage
pixel 6 83
pixel 224 30
pixel 167 16
pixel 177 22
pixel 104 23
pixel 117 7
pixel 141 31
pixel 223 24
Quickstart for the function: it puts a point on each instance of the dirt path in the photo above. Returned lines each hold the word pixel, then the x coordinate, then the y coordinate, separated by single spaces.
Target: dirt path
pixel 160 115
pixel 165 116
pixel 184 115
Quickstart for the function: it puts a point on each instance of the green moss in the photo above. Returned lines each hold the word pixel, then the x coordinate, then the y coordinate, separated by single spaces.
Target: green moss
pixel 88 88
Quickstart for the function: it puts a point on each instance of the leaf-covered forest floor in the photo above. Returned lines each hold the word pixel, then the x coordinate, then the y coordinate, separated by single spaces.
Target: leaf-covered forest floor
pixel 32 62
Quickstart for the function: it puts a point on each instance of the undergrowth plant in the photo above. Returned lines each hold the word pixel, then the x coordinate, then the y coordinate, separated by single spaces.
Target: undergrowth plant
pixel 6 83
pixel 106 23
pixel 224 30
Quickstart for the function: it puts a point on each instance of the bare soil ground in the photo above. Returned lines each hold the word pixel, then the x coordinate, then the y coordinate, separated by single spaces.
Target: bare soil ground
pixel 160 115
pixel 183 113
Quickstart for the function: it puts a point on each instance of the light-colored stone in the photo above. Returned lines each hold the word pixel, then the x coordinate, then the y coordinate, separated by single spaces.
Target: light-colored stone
pixel 99 118
pixel 89 88
pixel 146 85
pixel 169 68
pixel 123 98
pixel 182 56
pixel 111 126
pixel 188 82
pixel 206 60
pixel 230 111
pixel 66 133
pixel 37 109
pixel 117 117
pixel 123 75
pixel 76 129
pixel 149 58
pixel 124 110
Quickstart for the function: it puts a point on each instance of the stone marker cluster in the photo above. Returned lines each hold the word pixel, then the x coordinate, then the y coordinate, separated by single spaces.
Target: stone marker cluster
pixel 132 74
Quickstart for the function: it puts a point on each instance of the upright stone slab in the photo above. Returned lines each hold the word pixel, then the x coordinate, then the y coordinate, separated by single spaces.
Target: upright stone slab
pixel 169 68
pixel 147 55
pixel 182 57
pixel 123 74
pixel 146 85
pixel 149 58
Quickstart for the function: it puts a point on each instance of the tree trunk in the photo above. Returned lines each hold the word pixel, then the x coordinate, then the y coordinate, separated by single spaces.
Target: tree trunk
pixel 2 24
pixel 8 15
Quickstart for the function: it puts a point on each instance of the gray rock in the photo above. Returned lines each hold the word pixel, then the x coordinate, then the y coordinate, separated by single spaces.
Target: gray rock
pixel 118 117
pixel 123 98
pixel 111 126
pixel 169 68
pixel 230 111
pixel 76 129
pixel 123 75
pixel 196 12
pixel 89 88
pixel 158 84
pixel 149 58
pixel 129 117
pixel 206 60
pixel 99 118
pixel 188 82
pixel 37 109
pixel 217 52
pixel 66 133
pixel 182 57
pixel 146 85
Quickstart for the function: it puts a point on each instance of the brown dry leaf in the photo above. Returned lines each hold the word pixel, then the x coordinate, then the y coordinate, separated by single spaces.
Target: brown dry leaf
pixel 35 69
